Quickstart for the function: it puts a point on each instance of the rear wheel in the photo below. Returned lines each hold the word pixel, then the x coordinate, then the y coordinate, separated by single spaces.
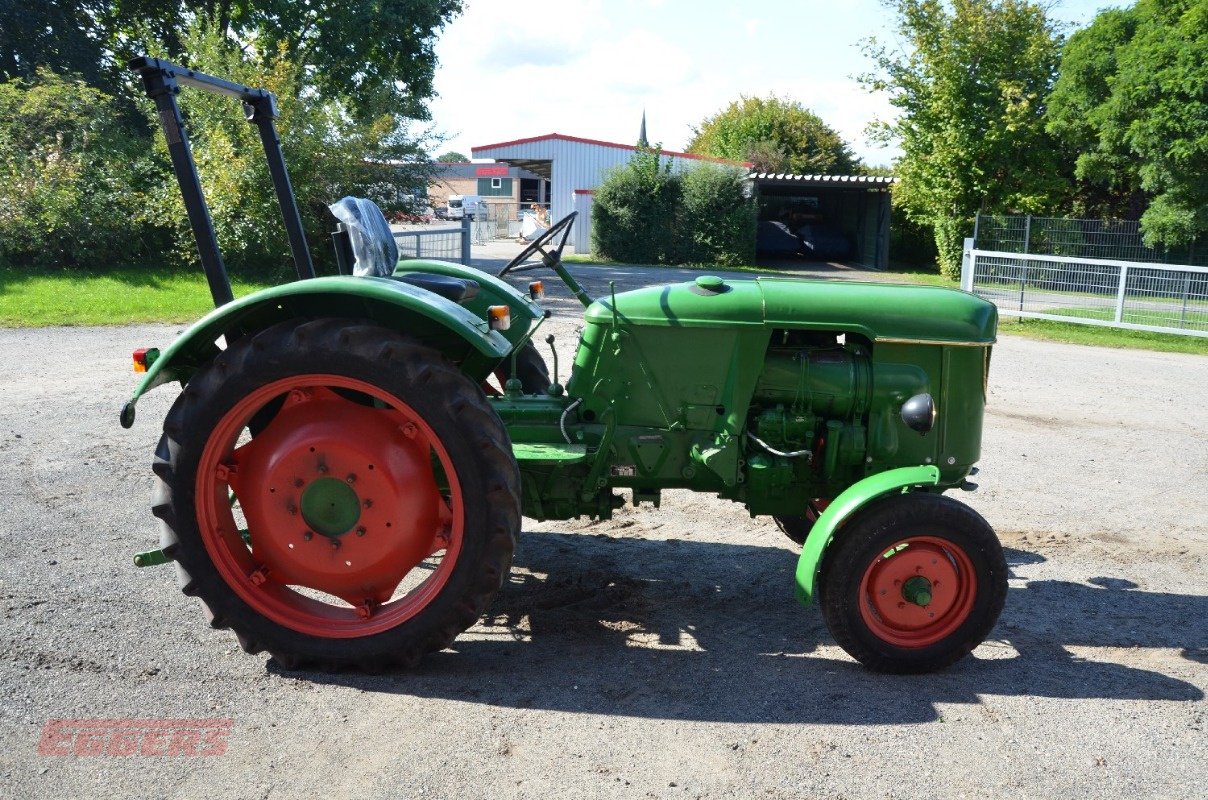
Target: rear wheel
pixel 367 522
pixel 913 583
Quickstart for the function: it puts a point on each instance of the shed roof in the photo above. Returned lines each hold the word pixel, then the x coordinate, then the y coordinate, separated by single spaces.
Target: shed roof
pixel 806 181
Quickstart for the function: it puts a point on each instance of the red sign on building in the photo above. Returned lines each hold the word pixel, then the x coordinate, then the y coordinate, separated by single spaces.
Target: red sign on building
pixel 491 172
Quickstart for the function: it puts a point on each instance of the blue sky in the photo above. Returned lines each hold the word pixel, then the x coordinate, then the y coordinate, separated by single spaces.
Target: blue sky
pixel 510 70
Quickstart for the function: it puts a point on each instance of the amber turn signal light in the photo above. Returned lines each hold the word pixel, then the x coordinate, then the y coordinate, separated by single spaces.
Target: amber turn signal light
pixel 499 317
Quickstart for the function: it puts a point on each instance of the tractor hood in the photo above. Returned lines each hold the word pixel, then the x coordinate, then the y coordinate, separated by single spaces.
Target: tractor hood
pixel 881 311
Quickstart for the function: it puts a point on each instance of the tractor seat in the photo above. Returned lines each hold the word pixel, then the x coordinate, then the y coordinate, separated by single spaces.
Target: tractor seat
pixel 456 289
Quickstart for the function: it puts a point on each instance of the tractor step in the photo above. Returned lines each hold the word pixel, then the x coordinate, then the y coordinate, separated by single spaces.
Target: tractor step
pixel 549 453
pixel 151 558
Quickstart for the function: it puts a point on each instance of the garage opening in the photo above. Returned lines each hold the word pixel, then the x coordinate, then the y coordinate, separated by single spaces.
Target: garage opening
pixel 836 218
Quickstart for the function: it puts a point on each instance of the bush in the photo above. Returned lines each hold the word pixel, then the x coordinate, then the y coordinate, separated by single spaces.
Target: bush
pixel 717 222
pixel 911 244
pixel 73 183
pixel 644 214
pixel 634 213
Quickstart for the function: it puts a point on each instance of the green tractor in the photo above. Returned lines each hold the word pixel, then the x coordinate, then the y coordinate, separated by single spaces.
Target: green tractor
pixel 338 489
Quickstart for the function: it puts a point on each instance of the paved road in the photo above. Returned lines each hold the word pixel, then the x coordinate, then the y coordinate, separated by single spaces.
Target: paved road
pixel 654 655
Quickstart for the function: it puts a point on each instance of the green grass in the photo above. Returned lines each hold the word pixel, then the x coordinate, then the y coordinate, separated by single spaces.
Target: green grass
pixel 1098 336
pixel 113 297
pixel 140 294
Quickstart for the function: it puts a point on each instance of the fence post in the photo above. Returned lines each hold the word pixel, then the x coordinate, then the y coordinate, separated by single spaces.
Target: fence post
pixel 976 226
pixel 1186 297
pixel 1027 234
pixel 465 239
pixel 1120 294
pixel 967 263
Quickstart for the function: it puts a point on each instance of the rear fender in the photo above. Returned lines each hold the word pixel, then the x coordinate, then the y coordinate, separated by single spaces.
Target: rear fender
pixel 465 338
pixel 849 501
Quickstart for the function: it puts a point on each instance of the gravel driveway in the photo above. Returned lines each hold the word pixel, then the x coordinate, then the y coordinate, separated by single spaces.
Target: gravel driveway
pixel 658 654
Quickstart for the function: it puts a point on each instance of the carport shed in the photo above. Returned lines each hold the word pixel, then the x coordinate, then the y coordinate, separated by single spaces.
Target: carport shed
pixel 855 205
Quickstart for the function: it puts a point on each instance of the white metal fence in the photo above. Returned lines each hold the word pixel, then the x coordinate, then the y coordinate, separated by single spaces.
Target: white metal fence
pixel 1124 294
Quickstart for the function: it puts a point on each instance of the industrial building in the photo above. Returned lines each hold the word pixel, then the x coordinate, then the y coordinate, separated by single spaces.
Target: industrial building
pixel 565 170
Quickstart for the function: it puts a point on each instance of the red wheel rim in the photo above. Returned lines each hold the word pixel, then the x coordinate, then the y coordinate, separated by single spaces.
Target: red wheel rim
pixel 340 496
pixel 917 592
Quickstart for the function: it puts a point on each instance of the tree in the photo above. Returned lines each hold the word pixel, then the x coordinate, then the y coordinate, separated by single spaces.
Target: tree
pixel 72 183
pixel 329 155
pixel 375 55
pixel 1131 98
pixel 451 157
pixel 1108 181
pixel 970 92
pixel 775 135
pixel 63 35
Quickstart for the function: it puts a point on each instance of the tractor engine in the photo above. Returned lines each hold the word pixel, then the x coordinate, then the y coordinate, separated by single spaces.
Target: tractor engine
pixel 807 417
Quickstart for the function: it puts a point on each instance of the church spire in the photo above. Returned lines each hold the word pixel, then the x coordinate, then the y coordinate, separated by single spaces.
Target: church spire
pixel 642 133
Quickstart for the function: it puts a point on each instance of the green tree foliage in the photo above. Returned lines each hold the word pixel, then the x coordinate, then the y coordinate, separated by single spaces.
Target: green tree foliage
pixel 63 35
pixel 73 187
pixel 646 214
pixel 326 152
pixel 775 135
pixel 375 55
pixel 351 78
pixel 1132 100
pixel 717 221
pixel 451 157
pixel 969 89
pixel 634 211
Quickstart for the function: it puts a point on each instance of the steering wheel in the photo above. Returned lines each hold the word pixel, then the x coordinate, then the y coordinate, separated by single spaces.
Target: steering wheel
pixel 538 245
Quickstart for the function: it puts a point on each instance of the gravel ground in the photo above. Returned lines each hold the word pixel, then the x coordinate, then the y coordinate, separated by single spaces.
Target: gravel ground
pixel 658 654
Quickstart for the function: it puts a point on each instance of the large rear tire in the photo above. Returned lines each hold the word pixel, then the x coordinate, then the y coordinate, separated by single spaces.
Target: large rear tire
pixel 369 521
pixel 913 583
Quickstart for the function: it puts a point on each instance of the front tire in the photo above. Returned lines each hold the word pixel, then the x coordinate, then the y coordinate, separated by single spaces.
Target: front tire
pixel 913 583
pixel 369 521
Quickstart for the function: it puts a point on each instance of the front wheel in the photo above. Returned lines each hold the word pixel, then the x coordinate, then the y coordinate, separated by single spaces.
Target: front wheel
pixel 913 583
pixel 337 494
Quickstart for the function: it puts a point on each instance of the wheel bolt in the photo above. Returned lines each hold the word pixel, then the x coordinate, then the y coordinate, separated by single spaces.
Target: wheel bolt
pixel 897 583
pixel 299 483
pixel 901 605
pixel 361 531
pixel 367 503
pixel 351 478
pixel 224 472
pixel 335 544
pixel 307 536
pixel 322 467
pixel 259 576
pixel 409 430
pixel 364 610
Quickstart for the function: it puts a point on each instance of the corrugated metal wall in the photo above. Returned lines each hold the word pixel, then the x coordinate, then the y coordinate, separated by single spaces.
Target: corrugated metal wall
pixel 575 165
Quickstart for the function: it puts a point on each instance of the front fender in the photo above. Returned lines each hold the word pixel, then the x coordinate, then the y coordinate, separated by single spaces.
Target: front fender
pixel 849 501
pixel 464 338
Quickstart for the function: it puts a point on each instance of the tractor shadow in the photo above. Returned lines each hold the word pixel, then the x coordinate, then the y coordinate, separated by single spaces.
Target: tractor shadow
pixel 689 630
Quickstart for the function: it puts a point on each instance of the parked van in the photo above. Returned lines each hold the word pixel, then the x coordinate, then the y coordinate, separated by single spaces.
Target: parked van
pixel 461 205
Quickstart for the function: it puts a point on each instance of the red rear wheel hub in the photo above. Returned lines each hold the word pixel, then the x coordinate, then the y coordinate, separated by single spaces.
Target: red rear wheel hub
pixel 347 492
